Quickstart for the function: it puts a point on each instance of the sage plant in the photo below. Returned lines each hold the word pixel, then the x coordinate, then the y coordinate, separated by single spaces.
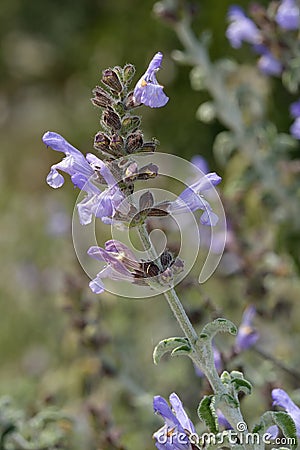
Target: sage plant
pixel 109 181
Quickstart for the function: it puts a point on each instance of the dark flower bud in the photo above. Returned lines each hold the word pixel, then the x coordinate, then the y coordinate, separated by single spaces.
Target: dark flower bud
pixel 166 258
pixel 101 141
pixel 128 72
pixel 148 171
pixel 133 142
pixel 150 146
pixel 130 123
pixel 117 144
pixel 111 119
pixel 129 101
pixel 111 79
pixel 150 269
pixel 101 97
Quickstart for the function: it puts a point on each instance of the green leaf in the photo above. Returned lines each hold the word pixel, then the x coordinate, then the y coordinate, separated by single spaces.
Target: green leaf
pixel 230 400
pixel 240 384
pixel 218 326
pixel 207 412
pixel 287 425
pixel 169 345
pixel 182 350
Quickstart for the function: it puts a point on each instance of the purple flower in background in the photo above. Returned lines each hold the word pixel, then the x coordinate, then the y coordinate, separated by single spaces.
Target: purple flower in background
pixel 241 28
pixel 120 264
pixel 295 109
pixel 288 15
pixel 191 199
pixel 269 65
pixel 295 128
pixel 281 398
pixel 174 435
pixel 147 89
pixel 247 335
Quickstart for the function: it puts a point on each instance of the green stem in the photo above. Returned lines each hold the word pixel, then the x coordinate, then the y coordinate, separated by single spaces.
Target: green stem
pixel 233 415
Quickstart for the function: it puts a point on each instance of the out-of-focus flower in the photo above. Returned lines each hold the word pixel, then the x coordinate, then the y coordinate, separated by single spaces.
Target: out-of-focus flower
pixel 247 335
pixel 269 65
pixel 295 113
pixel 288 15
pixel 281 398
pixel 200 163
pixel 241 28
pixel 174 435
pixel 147 90
pixel 192 199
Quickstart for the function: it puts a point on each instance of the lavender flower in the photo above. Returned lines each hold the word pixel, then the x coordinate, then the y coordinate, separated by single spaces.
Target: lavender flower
pixel 295 128
pixel 295 109
pixel 83 171
pixel 281 398
pixel 288 15
pixel 174 435
pixel 120 264
pixel 200 163
pixel 241 28
pixel 269 65
pixel 147 89
pixel 191 199
pixel 247 335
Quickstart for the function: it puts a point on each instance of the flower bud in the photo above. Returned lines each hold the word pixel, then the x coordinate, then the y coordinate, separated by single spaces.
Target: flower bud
pixel 101 97
pixel 111 79
pixel 134 141
pixel 111 119
pixel 166 258
pixel 117 144
pixel 130 123
pixel 149 146
pixel 101 142
pixel 129 101
pixel 128 72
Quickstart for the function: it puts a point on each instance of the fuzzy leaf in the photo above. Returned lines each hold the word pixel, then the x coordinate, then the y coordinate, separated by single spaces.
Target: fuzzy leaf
pixel 218 326
pixel 169 345
pixel 182 350
pixel 207 412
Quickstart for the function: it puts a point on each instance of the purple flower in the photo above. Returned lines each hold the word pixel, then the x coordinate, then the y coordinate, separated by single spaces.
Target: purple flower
pixel 191 199
pixel 83 172
pixel 295 109
pixel 288 15
pixel 74 163
pixel 295 128
pixel 241 28
pixel 147 89
pixel 200 163
pixel 269 65
pixel 247 335
pixel 281 398
pixel 174 435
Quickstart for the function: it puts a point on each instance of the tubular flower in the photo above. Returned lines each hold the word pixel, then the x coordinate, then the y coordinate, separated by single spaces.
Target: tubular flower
pixel 191 199
pixel 241 28
pixel 147 90
pixel 84 171
pixel 288 15
pixel 174 435
pixel 247 335
pixel 281 398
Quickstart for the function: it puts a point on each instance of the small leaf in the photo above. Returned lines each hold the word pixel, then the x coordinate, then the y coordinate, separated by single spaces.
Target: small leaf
pixel 207 412
pixel 168 345
pixel 219 326
pixel 243 385
pixel 230 400
pixel 287 425
pixel 182 350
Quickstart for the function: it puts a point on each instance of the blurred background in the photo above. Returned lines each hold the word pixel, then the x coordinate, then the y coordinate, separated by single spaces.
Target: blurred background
pixel 61 345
